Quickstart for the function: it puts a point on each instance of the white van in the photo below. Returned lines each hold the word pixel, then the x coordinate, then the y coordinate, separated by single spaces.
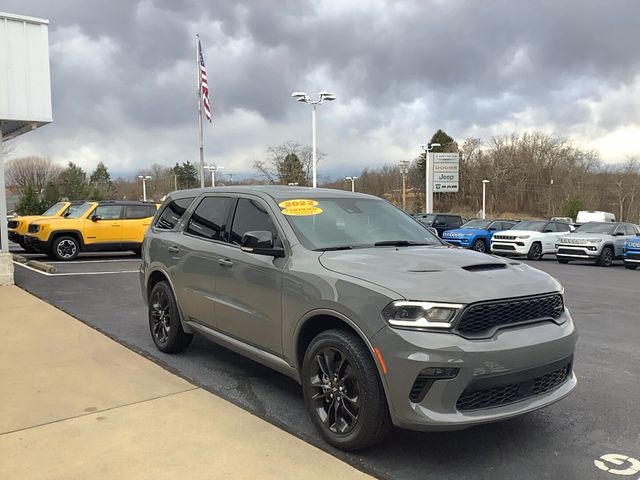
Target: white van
pixel 585 216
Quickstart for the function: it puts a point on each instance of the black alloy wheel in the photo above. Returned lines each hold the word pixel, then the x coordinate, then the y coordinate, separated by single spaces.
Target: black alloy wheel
pixel 535 252
pixel 480 246
pixel 164 320
pixel 337 391
pixel 159 310
pixel 606 257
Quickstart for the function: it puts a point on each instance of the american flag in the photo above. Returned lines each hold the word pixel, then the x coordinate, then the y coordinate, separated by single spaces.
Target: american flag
pixel 204 86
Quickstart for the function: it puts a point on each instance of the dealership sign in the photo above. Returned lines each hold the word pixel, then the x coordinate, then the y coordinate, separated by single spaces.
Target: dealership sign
pixel 446 172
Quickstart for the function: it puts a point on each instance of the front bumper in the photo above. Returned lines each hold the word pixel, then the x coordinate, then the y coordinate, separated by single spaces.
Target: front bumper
pixel 36 243
pixel 515 356
pixel 582 252
pixel 504 247
pixel 459 242
pixel 632 257
pixel 15 237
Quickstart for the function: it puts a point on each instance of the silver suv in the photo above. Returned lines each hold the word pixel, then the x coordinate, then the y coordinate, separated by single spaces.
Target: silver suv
pixel 600 242
pixel 379 321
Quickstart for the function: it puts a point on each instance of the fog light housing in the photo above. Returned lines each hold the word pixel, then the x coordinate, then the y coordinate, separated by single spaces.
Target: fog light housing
pixel 426 378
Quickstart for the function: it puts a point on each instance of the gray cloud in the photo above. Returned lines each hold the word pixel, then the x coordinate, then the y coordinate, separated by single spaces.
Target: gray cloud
pixel 123 74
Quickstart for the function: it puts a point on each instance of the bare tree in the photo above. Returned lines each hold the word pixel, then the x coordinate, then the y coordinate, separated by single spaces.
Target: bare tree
pixel 31 172
pixel 272 168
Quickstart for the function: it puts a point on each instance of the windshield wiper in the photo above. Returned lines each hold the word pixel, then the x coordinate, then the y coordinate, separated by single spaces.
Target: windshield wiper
pixel 333 249
pixel 399 243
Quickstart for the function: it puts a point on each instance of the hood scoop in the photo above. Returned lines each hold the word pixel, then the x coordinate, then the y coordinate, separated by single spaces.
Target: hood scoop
pixel 483 267
pixel 424 270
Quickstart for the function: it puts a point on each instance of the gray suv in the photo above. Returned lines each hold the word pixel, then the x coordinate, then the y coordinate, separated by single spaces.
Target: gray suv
pixel 379 321
pixel 600 242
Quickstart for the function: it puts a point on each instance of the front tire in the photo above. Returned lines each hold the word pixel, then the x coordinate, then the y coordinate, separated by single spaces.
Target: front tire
pixel 65 248
pixel 343 392
pixel 480 246
pixel 535 252
pixel 564 261
pixel 606 257
pixel 164 320
pixel 630 267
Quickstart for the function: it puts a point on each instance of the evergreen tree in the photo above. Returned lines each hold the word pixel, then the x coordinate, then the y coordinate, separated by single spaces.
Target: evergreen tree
pixel 100 184
pixel 73 183
pixel 447 144
pixel 30 202
pixel 187 175
pixel 291 170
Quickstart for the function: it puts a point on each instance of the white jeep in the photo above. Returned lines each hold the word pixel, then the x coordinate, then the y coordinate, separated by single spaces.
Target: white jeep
pixel 530 238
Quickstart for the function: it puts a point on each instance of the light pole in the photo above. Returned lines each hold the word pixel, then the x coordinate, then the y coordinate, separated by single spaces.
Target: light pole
pixel 404 169
pixel 293 184
pixel 353 182
pixel 213 169
pixel 484 197
pixel 322 97
pixel 428 177
pixel 144 179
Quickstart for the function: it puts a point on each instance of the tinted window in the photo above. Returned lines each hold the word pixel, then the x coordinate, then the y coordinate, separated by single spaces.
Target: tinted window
pixel 595 227
pixel 138 211
pixel 250 216
pixel 481 224
pixel 209 220
pixel 108 212
pixel 563 227
pixel 629 229
pixel 454 222
pixel 172 213
pixel 551 227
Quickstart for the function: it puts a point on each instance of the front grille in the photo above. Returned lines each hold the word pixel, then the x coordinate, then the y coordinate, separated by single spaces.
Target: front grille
pixel 568 251
pixel 12 224
pixel 504 237
pixel 633 256
pixel 502 247
pixel 497 396
pixel 482 319
pixel 33 228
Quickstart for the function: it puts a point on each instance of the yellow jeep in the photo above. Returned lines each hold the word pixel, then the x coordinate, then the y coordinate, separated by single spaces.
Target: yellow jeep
pixel 17 226
pixel 94 226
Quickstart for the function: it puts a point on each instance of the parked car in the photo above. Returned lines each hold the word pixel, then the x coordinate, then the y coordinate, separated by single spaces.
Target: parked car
pixel 17 226
pixel 379 321
pixel 585 216
pixel 94 226
pixel 631 252
pixel 568 220
pixel 441 221
pixel 600 242
pixel 476 234
pixel 530 238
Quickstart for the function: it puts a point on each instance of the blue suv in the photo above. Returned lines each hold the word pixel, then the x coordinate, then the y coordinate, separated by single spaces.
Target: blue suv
pixel 632 253
pixel 476 234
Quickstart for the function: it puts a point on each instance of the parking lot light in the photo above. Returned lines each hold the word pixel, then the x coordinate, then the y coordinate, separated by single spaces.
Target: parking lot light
pixel 353 182
pixel 323 96
pixel 213 169
pixel 144 179
pixel 428 177
pixel 484 196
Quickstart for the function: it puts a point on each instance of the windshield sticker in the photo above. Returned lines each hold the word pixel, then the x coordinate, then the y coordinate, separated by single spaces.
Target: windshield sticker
pixel 300 207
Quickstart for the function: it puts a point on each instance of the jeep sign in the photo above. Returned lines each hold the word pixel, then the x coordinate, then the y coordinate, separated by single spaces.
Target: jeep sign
pixel 446 168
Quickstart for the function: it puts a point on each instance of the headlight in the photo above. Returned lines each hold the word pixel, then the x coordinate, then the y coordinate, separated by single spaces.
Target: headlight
pixel 523 237
pixel 595 240
pixel 412 314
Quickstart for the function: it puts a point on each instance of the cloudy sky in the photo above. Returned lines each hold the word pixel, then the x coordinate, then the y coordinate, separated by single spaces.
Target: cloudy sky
pixel 123 77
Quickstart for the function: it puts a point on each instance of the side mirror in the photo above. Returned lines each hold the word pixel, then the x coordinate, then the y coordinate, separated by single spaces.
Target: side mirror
pixel 260 242
pixel 548 230
pixel 95 218
pixel 619 234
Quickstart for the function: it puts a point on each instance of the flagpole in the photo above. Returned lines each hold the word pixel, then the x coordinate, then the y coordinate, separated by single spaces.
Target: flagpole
pixel 200 110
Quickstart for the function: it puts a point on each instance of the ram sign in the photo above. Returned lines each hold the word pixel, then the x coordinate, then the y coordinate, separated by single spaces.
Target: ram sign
pixel 446 172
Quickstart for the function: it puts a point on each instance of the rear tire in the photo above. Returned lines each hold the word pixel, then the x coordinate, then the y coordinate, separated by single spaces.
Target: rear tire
pixel 480 246
pixel 535 252
pixel 606 257
pixel 343 392
pixel 65 248
pixel 630 267
pixel 164 320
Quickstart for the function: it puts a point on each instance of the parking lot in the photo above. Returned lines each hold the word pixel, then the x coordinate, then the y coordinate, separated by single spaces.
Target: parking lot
pixel 562 441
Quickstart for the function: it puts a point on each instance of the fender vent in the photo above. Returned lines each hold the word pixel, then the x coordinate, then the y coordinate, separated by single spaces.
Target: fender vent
pixel 483 267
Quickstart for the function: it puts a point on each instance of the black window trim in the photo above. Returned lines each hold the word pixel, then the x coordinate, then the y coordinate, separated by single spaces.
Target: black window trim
pixel 122 207
pixel 274 218
pixel 178 226
pixel 186 218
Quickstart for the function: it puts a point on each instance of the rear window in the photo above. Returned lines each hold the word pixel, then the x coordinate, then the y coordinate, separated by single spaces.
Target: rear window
pixel 139 211
pixel 172 213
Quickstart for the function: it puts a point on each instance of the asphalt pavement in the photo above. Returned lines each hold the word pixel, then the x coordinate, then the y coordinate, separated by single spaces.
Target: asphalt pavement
pixel 601 417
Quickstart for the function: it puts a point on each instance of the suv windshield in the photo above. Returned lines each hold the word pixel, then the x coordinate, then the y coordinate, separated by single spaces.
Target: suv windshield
pixel 429 218
pixel 593 227
pixel 533 225
pixel 481 224
pixel 79 210
pixel 343 223
pixel 53 209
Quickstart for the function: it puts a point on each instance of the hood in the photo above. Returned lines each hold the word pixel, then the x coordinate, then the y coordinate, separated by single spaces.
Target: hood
pixel 440 274
pixel 464 232
pixel 580 238
pixel 517 232
pixel 26 219
pixel 49 220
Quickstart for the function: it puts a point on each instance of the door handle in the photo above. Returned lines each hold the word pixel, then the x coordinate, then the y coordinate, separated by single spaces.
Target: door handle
pixel 225 262
pixel 174 249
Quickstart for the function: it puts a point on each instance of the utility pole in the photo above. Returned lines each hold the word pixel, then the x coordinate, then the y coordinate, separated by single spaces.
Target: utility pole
pixel 404 169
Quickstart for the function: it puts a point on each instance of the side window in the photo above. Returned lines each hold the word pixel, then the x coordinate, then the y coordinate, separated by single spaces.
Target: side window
pixel 495 225
pixel 108 212
pixel 551 227
pixel 172 213
pixel 136 211
pixel 454 222
pixel 629 229
pixel 619 229
pixel 563 227
pixel 441 221
pixel 209 220
pixel 250 215
pixel 151 210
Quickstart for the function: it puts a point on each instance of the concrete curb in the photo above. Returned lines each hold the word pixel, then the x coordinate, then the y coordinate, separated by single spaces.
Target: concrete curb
pixel 19 258
pixel 43 267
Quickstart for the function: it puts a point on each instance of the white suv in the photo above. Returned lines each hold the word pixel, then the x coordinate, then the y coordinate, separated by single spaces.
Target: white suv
pixel 532 238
